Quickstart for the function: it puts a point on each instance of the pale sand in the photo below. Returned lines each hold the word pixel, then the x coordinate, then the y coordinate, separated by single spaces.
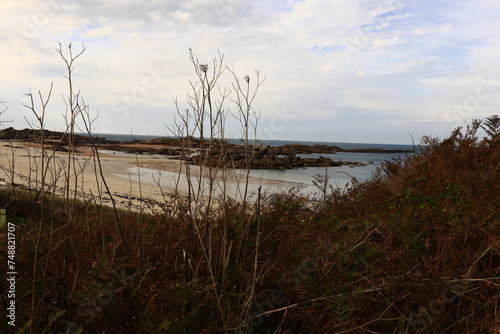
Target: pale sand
pixel 127 183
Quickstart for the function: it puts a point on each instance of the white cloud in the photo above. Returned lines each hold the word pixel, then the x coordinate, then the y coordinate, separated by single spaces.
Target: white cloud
pixel 433 29
pixel 385 42
pixel 399 61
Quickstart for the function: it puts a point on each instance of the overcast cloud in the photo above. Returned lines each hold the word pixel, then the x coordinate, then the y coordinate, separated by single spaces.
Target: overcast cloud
pixel 336 70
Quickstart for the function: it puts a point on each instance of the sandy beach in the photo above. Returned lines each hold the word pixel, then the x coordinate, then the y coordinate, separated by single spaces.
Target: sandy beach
pixel 132 179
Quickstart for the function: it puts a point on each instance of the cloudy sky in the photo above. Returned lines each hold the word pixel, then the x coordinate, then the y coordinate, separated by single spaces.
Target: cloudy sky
pixel 336 70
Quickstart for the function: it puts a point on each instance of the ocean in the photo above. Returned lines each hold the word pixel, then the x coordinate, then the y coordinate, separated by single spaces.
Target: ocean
pixel 302 178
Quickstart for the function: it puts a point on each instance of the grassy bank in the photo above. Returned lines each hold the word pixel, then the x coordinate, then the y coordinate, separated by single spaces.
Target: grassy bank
pixel 415 249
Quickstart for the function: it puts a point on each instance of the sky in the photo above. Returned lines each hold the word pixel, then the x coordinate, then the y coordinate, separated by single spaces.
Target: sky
pixel 366 71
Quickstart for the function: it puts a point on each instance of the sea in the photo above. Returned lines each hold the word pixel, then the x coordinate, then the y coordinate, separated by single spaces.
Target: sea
pixel 299 179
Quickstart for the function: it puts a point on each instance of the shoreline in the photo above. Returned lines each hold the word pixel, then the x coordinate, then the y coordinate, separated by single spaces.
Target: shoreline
pixel 132 180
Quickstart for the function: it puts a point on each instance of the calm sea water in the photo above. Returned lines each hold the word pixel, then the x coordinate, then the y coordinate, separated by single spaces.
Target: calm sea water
pixel 302 177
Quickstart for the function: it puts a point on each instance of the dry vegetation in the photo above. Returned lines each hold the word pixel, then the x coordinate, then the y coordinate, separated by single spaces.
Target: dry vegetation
pixel 416 249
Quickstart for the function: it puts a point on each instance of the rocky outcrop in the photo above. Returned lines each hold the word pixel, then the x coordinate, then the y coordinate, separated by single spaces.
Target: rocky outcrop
pixel 167 151
pixel 293 149
pixel 188 141
pixel 270 162
pixel 51 137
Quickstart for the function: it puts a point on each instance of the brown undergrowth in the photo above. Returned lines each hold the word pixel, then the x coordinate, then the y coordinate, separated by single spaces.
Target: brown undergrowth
pixel 416 249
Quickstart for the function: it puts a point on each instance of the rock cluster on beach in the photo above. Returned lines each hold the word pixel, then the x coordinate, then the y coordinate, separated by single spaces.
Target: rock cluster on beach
pixel 275 162
pixel 267 157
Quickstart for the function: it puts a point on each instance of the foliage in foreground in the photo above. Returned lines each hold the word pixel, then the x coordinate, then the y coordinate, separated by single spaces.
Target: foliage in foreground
pixel 416 249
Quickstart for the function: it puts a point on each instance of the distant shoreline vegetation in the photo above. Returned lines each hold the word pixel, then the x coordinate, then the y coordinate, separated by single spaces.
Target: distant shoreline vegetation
pixel 269 142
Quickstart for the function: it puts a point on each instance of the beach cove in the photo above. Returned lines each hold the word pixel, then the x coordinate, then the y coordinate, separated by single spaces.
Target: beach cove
pixel 134 178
